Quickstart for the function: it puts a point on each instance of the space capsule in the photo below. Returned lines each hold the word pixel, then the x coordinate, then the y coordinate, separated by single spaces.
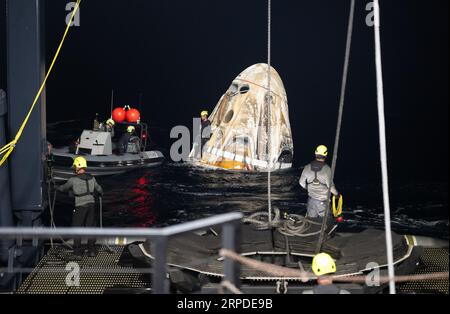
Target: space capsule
pixel 250 130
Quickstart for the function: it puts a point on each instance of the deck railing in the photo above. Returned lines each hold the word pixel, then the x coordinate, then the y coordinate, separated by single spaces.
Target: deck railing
pixel 157 236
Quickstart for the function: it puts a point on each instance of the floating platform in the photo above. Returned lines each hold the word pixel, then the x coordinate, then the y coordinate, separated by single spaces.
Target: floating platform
pixel 113 273
pixel 431 261
pixel 196 256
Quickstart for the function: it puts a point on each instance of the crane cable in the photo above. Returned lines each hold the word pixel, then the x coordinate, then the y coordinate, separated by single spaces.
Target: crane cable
pixel 9 148
pixel 269 103
pixel 383 148
pixel 339 124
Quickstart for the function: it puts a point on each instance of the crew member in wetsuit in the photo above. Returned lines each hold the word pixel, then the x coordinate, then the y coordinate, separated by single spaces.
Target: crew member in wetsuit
pixel 97 123
pixel 316 179
pixel 109 127
pixel 83 186
pixel 205 130
pixel 123 142
pixel 323 266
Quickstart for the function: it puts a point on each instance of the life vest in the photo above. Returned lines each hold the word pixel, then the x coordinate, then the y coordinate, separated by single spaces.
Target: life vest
pixel 316 167
pixel 86 178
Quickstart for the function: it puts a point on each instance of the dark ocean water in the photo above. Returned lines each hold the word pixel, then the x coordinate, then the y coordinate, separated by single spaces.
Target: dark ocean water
pixel 176 193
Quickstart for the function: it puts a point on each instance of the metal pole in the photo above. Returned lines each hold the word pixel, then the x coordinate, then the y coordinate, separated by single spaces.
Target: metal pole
pixel 26 71
pixel 112 102
pixel 160 284
pixel 6 217
pixel 383 149
pixel 30 233
pixel 231 242
pixel 269 108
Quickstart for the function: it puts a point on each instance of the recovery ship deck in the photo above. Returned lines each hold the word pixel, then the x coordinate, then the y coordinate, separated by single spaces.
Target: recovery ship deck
pixel 115 273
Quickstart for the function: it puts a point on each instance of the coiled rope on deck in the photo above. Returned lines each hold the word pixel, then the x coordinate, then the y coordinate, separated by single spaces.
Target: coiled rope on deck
pixel 9 148
pixel 295 226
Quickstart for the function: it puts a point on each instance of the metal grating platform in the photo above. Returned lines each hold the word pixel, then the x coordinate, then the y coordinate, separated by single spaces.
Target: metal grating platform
pixel 97 274
pixel 432 261
pixel 104 273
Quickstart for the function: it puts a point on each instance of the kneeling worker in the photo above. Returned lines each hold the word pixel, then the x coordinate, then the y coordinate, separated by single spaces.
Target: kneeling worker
pixel 83 186
pixel 323 266
pixel 316 179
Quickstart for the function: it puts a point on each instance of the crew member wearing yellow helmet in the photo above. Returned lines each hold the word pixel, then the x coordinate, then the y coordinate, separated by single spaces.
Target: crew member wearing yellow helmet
pixel 316 179
pixel 83 186
pixel 323 266
pixel 205 129
pixel 125 138
pixel 109 126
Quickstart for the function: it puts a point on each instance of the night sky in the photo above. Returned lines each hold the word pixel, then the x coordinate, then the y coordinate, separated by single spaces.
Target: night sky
pixel 182 55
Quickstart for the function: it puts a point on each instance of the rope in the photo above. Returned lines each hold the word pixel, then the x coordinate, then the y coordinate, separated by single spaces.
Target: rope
pixel 110 250
pixel 8 148
pixel 52 203
pixel 271 269
pixel 398 279
pixel 339 123
pixel 50 209
pixel 269 103
pixel 383 149
pixel 296 226
pixel 285 272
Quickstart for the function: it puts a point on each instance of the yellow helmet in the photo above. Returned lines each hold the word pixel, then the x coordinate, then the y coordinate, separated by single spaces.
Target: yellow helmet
pixel 204 113
pixel 322 150
pixel 323 264
pixel 110 122
pixel 131 129
pixel 79 163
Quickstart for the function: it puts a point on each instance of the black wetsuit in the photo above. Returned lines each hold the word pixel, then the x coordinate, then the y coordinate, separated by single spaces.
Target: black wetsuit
pixel 205 133
pixel 123 143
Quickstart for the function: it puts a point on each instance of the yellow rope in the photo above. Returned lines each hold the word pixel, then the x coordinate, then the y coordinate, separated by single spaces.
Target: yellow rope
pixel 8 148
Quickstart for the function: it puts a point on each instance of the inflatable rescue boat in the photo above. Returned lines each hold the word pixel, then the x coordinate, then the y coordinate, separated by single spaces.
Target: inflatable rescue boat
pixel 102 153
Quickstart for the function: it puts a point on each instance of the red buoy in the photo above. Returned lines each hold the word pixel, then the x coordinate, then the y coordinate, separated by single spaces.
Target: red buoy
pixel 340 219
pixel 119 115
pixel 133 116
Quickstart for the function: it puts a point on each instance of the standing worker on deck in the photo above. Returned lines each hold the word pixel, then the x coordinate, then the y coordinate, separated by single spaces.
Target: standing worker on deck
pixel 205 129
pixel 316 179
pixel 83 186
